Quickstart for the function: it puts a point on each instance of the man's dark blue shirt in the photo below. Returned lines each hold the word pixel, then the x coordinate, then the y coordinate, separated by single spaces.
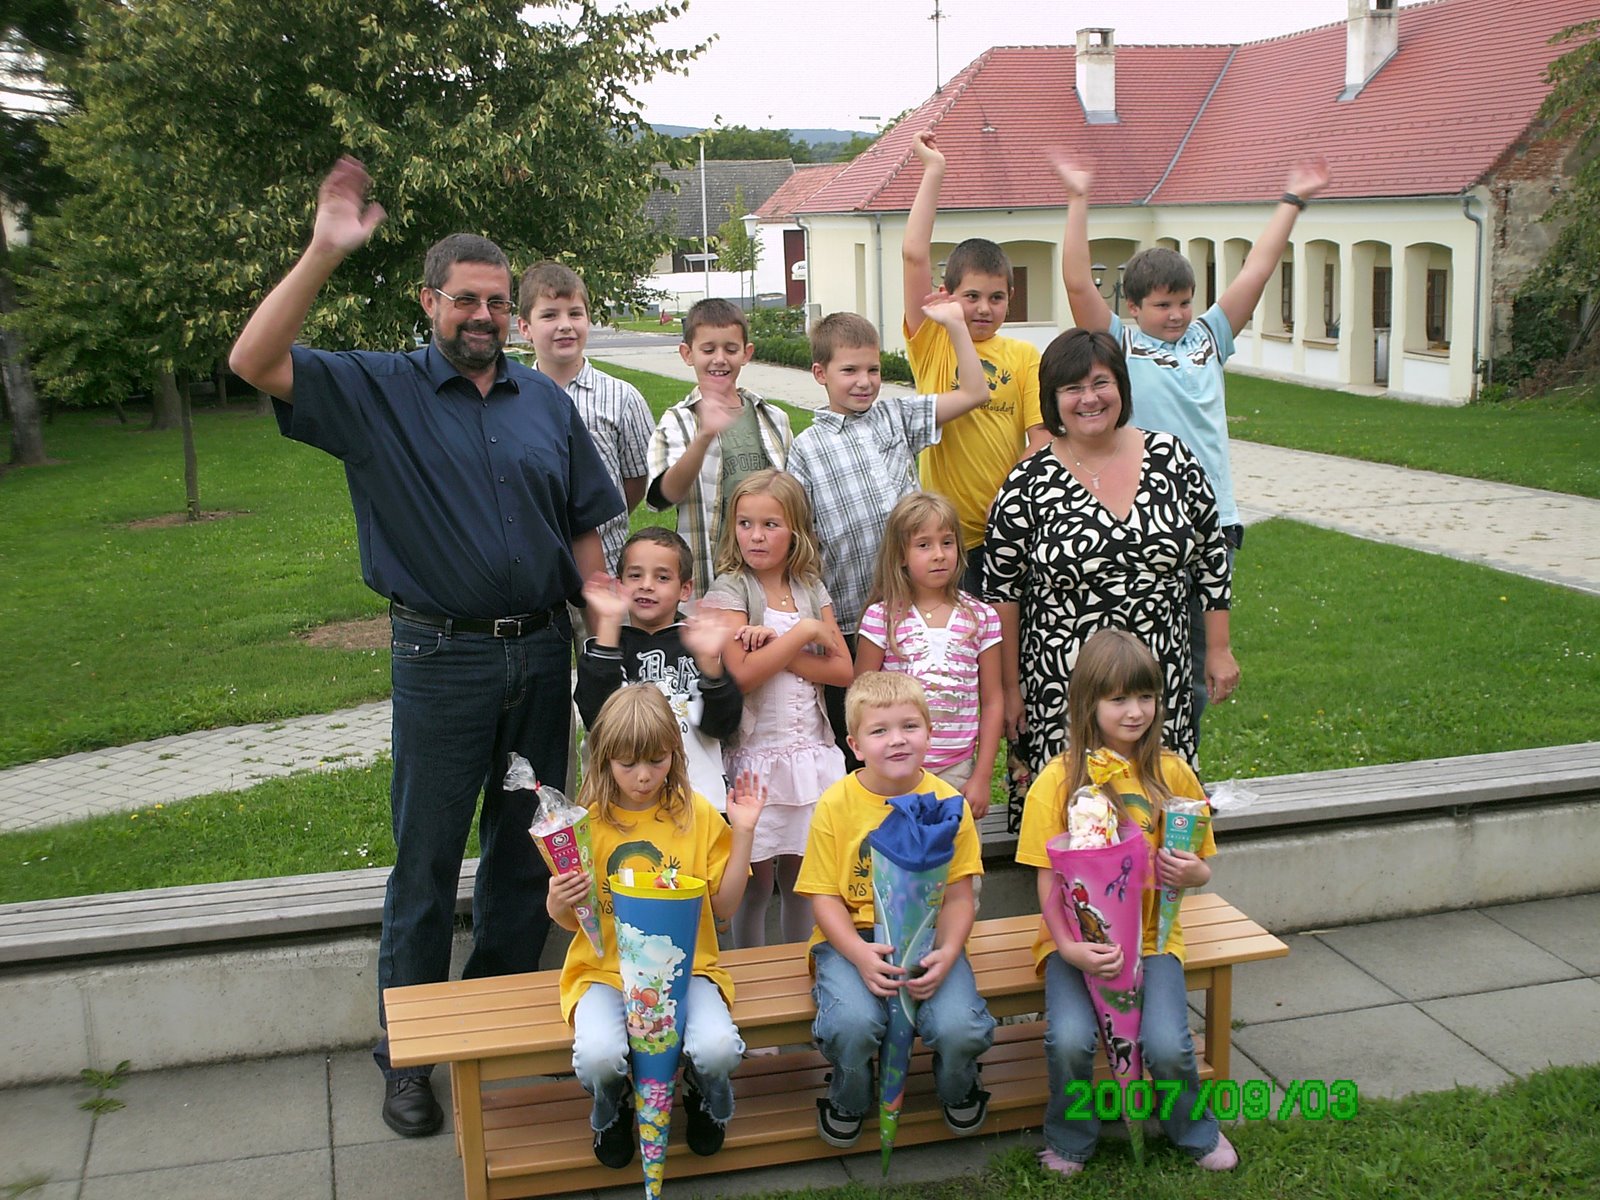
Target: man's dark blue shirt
pixel 466 505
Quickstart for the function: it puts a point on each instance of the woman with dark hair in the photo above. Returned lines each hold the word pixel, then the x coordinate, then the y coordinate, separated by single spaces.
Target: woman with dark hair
pixel 1108 525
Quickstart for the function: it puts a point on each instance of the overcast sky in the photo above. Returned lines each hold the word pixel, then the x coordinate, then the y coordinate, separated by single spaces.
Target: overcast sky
pixel 849 64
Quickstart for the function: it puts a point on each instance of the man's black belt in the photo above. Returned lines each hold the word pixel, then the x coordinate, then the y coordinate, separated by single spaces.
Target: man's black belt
pixel 501 627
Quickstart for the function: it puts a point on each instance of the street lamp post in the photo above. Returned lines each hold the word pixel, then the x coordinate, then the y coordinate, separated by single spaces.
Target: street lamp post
pixel 1100 270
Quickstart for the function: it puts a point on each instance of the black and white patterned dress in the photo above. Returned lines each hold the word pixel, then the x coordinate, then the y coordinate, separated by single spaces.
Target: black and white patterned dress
pixel 1074 568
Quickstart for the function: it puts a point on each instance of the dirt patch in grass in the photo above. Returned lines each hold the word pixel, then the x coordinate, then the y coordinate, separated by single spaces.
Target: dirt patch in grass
pixel 369 633
pixel 168 520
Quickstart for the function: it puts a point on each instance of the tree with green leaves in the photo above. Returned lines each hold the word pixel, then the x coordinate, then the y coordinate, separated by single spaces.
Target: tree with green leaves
pixel 1544 319
pixel 731 142
pixel 737 248
pixel 205 125
pixel 32 183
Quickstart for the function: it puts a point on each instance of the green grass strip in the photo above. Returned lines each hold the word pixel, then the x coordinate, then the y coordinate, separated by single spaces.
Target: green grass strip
pixel 1551 442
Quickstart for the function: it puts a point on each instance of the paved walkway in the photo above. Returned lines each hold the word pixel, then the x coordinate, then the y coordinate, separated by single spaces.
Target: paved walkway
pixel 1544 535
pixel 1404 1006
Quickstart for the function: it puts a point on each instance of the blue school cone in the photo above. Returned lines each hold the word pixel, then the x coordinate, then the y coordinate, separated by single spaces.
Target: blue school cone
pixel 657 924
pixel 911 852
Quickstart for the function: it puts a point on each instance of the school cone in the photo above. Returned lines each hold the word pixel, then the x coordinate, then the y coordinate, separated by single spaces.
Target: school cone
pixel 1099 897
pixel 911 852
pixel 657 920
pixel 1184 826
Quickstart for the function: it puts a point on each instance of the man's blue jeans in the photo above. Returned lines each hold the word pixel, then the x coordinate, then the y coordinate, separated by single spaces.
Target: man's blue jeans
pixel 954 1023
pixel 462 704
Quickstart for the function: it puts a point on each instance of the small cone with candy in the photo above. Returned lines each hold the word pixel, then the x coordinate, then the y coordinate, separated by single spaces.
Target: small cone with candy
pixel 561 831
pixel 1184 827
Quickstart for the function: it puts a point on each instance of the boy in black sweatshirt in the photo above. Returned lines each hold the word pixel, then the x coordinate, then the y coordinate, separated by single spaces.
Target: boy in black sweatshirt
pixel 680 655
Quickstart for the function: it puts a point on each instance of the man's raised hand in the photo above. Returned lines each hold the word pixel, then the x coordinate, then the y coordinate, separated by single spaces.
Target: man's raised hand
pixel 345 218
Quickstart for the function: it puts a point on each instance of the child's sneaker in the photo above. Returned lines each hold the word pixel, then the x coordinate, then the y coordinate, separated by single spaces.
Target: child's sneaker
pixel 1223 1158
pixel 1052 1161
pixel 968 1117
pixel 835 1128
pixel 613 1145
pixel 703 1134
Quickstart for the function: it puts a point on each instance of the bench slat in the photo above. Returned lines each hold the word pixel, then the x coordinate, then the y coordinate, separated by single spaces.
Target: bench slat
pixel 517 1015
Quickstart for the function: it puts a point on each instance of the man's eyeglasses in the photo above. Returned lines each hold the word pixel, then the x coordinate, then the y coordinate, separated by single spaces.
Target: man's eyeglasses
pixel 469 304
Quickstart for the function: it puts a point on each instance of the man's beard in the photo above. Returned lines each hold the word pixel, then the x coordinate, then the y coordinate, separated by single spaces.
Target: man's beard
pixel 465 356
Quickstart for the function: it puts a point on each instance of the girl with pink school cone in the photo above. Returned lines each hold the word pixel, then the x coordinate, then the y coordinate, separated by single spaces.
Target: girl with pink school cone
pixel 1114 733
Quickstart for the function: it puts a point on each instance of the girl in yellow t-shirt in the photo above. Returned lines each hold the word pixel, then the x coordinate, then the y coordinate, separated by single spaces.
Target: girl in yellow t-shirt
pixel 643 814
pixel 1114 704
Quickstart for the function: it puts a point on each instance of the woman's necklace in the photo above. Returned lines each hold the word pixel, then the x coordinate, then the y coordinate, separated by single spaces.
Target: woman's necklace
pixel 930 611
pixel 1094 475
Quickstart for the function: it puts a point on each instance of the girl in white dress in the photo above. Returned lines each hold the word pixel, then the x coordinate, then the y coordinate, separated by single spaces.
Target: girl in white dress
pixel 786 646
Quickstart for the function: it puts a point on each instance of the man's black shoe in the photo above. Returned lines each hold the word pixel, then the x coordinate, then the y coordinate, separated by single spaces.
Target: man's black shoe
pixel 703 1134
pixel 613 1145
pixel 409 1107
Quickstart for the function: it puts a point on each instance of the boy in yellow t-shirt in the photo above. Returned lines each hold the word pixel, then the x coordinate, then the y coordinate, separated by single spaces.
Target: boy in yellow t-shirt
pixel 977 451
pixel 887 714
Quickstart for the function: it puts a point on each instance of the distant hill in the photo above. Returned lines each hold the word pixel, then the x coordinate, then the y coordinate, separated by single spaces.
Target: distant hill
pixel 814 136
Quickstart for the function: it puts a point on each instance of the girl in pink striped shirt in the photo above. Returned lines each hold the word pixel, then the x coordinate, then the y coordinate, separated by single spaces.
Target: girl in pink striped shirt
pixel 922 624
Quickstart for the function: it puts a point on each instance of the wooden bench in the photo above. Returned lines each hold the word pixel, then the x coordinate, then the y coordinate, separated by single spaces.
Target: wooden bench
pixel 535 1139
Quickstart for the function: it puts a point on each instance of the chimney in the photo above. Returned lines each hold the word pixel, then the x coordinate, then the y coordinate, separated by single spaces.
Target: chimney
pixel 1371 37
pixel 1097 75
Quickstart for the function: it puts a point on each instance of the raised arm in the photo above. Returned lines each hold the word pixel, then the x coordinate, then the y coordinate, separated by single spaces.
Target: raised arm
pixel 345 221
pixel 972 386
pixel 916 248
pixel 711 419
pixel 1089 308
pixel 1244 293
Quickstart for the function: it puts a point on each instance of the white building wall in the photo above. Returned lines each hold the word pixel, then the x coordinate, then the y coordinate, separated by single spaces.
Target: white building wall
pixel 855 266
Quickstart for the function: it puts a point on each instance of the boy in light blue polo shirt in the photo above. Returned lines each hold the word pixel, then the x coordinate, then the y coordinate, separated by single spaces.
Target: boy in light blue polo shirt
pixel 1175 360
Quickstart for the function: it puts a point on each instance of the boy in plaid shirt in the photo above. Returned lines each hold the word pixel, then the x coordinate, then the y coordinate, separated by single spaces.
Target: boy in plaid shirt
pixel 860 454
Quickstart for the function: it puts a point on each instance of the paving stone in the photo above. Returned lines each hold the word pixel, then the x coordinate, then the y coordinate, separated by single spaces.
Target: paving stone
pixel 1390 1051
pixel 1565 926
pixel 936 1161
pixel 43 1133
pixel 816 1173
pixel 405 1169
pixel 208 1114
pixel 1526 1029
pixel 305 1175
pixel 356 1100
pixel 1312 980
pixel 1421 957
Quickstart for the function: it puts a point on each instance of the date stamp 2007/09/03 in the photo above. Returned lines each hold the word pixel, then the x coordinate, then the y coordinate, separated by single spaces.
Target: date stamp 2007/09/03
pixel 1312 1099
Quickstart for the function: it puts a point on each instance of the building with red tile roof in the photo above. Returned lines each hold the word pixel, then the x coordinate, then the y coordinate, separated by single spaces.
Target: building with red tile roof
pixel 1398 276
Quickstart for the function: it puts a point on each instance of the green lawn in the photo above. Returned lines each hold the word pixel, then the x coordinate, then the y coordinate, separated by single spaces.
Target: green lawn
pixel 120 634
pixel 117 634
pixel 1535 1139
pixel 1552 442
pixel 1353 653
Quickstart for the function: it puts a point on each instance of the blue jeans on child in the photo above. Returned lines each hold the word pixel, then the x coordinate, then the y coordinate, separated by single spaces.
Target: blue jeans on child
pixel 711 1043
pixel 954 1023
pixel 1073 1035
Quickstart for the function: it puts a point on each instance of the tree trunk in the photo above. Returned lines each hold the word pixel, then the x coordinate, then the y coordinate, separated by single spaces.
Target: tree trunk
pixel 165 404
pixel 191 464
pixel 27 440
pixel 220 374
pixel 263 404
